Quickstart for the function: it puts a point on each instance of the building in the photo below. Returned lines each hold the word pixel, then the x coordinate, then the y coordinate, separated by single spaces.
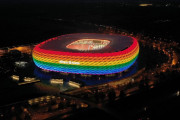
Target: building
pixel 87 53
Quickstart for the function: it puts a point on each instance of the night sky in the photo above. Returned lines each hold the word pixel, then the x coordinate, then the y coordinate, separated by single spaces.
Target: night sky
pixel 51 1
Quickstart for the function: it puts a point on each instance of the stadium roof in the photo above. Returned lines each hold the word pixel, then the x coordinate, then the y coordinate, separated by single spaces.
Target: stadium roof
pixel 117 42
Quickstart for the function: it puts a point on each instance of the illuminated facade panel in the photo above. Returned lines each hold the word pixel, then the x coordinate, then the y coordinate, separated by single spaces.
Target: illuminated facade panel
pixel 116 55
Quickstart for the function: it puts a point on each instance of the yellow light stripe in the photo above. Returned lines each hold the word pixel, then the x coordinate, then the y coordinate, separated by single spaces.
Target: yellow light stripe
pixel 91 62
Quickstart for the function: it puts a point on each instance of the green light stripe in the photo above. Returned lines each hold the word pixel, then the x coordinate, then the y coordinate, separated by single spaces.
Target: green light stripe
pixel 85 67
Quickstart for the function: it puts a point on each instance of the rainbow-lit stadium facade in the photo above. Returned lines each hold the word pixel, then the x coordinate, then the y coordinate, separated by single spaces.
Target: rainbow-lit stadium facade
pixel 87 53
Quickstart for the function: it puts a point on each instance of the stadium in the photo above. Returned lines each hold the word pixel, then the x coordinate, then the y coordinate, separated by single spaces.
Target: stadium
pixel 87 53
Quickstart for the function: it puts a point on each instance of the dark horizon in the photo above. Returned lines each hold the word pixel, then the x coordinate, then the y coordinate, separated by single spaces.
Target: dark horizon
pixel 90 1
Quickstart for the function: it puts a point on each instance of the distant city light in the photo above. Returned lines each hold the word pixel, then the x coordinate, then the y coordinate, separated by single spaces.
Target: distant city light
pixel 15 77
pixel 21 64
pixel 145 5
pixel 56 81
